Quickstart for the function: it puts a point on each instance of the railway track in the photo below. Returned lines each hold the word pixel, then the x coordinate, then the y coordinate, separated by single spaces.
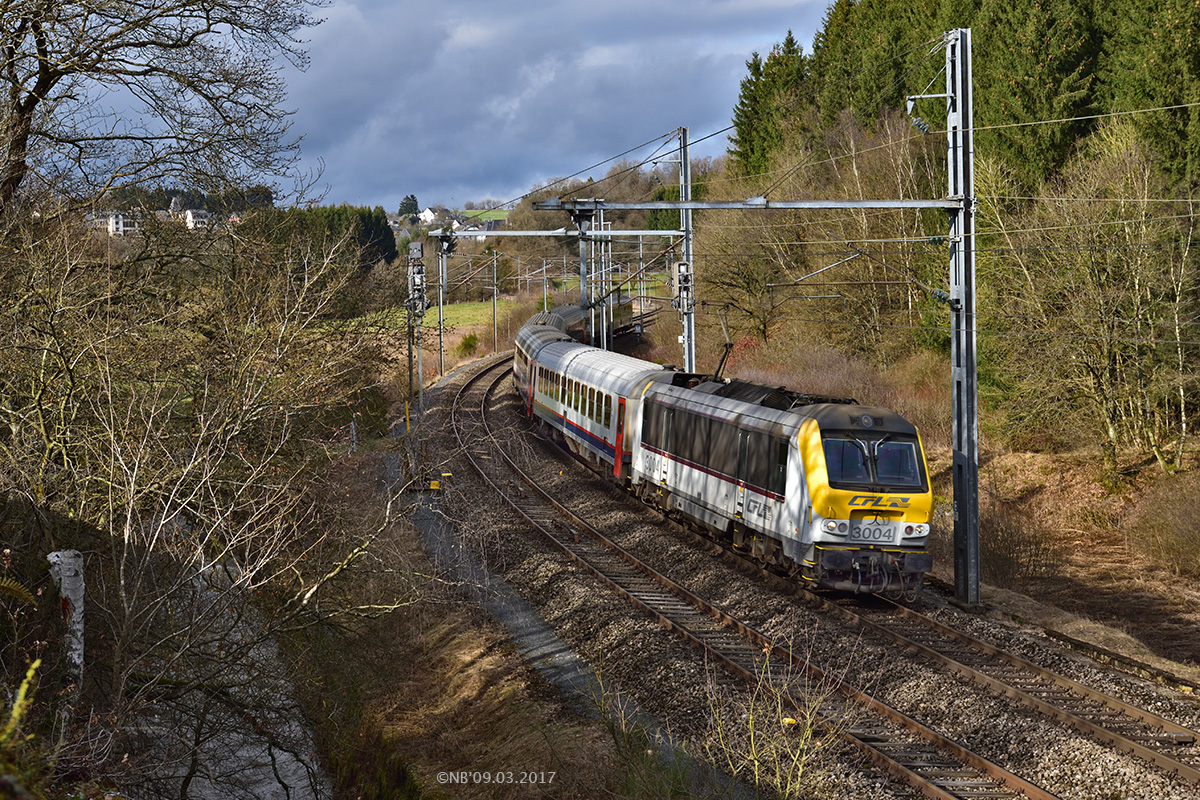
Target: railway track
pixel 1104 718
pixel 909 751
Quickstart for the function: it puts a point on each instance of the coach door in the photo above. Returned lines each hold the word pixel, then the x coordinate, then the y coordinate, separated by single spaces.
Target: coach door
pixel 743 470
pixel 668 418
pixel 619 441
pixel 535 372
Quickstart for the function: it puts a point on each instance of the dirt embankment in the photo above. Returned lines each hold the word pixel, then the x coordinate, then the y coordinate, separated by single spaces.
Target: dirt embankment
pixel 1087 561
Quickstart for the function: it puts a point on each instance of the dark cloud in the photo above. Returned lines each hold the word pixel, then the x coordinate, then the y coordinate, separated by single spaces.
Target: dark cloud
pixel 477 98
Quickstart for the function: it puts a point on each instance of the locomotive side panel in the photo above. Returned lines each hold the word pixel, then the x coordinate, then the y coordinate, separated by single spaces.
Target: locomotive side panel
pixel 723 463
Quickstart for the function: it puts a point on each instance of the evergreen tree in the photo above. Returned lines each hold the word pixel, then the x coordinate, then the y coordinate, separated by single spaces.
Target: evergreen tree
pixel 409 207
pixel 869 54
pixel 376 236
pixel 770 96
pixel 1034 62
pixel 1150 59
pixel 746 145
pixel 836 59
pixel 668 220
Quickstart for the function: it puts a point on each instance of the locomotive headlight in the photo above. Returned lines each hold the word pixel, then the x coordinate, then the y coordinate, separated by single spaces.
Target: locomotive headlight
pixel 916 530
pixel 834 526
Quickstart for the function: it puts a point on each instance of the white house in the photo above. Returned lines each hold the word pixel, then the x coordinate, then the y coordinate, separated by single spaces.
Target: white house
pixel 195 218
pixel 115 223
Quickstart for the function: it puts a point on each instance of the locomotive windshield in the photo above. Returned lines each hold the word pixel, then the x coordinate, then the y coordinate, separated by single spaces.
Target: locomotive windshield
pixel 885 463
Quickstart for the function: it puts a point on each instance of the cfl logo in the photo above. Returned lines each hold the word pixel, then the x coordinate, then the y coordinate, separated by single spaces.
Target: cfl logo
pixel 877 501
pixel 758 508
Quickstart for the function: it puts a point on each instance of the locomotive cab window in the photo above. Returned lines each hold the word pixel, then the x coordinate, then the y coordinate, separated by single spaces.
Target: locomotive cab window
pixel 897 463
pixel 886 462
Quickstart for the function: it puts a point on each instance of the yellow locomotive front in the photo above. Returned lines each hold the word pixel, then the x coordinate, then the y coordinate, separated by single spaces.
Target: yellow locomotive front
pixel 869 500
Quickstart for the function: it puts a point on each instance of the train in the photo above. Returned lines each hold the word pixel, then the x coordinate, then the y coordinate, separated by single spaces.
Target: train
pixel 822 489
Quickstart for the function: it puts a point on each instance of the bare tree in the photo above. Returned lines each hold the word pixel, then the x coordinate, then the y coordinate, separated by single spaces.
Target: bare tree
pixel 768 267
pixel 163 414
pixel 105 92
pixel 1095 309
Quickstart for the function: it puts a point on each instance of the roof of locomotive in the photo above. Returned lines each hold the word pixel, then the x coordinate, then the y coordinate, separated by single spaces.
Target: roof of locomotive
pixel 829 415
pixel 860 419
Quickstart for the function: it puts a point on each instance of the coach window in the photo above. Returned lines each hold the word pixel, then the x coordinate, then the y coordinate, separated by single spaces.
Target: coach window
pixel 591 407
pixel 608 410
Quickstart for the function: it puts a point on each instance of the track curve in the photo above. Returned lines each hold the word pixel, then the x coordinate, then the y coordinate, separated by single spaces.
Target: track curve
pixel 934 765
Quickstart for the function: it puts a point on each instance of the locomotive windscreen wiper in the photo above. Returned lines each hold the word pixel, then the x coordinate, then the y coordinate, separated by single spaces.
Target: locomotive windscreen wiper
pixel 875 449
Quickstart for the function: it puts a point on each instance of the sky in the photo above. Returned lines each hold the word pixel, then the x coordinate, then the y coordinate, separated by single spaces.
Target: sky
pixel 465 100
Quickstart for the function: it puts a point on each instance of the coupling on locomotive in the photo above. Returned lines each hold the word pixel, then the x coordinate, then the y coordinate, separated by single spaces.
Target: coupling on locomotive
pixel 828 491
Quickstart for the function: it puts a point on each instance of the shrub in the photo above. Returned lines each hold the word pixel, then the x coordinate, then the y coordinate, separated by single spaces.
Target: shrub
pixel 1014 548
pixel 468 347
pixel 1166 532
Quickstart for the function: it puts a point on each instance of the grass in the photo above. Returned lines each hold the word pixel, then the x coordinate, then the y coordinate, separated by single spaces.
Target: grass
pixel 434 688
pixel 476 314
pixel 480 215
